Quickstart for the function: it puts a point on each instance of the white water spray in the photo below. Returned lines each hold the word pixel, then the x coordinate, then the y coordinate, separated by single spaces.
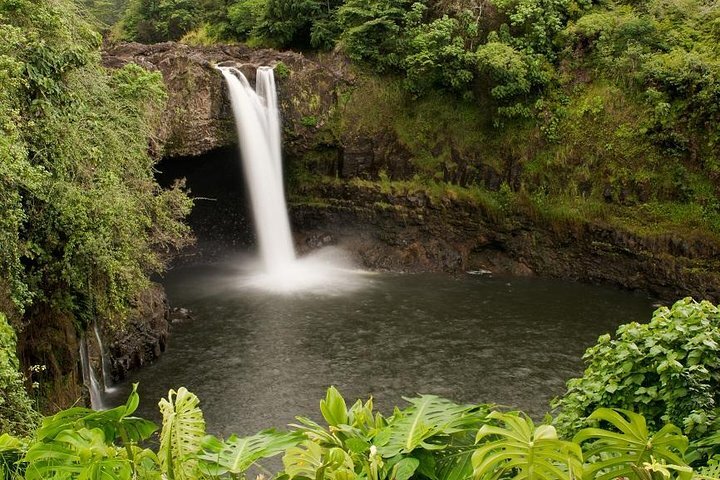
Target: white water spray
pixel 88 375
pixel 104 360
pixel 258 128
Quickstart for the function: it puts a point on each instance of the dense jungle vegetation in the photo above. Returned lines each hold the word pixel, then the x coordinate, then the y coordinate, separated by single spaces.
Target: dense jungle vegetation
pixel 83 221
pixel 578 103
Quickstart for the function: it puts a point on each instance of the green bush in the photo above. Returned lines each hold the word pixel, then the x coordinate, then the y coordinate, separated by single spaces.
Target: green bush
pixel 282 71
pixel 668 370
pixel 537 22
pixel 150 21
pixel 437 57
pixel 514 76
pixel 17 415
pixel 244 17
pixel 299 24
pixel 373 31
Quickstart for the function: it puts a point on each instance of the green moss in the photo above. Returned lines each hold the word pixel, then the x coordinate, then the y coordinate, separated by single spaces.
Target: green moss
pixel 282 71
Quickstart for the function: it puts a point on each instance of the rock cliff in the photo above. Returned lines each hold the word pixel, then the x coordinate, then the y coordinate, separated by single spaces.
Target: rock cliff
pixel 409 231
pixel 198 117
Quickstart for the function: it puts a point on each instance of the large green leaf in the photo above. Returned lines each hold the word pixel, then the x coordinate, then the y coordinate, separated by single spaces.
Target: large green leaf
pixel 236 455
pixel 182 433
pixel 81 454
pixel 303 460
pixel 526 451
pixel 427 416
pixel 619 453
pixel 116 423
pixel 333 408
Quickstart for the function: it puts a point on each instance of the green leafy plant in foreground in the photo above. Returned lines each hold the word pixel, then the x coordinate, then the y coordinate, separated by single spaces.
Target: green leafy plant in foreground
pixel 430 439
pixel 624 452
pixel 182 433
pixel 80 443
pixel 533 453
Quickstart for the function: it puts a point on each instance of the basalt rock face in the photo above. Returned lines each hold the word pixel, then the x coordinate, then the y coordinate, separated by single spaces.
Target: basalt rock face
pixel 49 350
pixel 143 336
pixel 412 232
pixel 198 117
pixel 51 344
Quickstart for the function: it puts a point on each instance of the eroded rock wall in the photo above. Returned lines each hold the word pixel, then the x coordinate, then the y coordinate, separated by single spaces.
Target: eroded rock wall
pixel 412 232
pixel 49 348
pixel 198 117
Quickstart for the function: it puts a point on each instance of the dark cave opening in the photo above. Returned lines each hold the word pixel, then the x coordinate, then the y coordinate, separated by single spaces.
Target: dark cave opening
pixel 220 219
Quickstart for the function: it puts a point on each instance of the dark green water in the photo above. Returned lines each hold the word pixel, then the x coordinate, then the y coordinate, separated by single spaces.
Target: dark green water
pixel 257 359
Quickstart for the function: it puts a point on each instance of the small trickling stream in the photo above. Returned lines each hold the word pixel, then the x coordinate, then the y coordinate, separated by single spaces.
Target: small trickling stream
pixel 257 359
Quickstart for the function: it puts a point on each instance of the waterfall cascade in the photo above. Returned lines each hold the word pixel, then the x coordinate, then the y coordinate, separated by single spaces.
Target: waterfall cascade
pixel 88 375
pixel 257 121
pixel 258 127
pixel 104 360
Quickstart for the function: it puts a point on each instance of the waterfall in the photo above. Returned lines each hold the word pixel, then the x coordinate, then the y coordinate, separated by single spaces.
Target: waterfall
pixel 88 375
pixel 104 360
pixel 257 120
pixel 258 127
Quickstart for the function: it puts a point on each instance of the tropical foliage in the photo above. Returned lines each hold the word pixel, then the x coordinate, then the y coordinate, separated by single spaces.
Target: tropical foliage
pixel 667 370
pixel 432 439
pixel 86 223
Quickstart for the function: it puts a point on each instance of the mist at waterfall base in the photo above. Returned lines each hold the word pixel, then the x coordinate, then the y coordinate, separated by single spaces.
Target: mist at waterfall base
pixel 258 128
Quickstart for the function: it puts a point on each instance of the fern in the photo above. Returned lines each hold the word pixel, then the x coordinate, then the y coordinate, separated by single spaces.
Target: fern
pixel 182 433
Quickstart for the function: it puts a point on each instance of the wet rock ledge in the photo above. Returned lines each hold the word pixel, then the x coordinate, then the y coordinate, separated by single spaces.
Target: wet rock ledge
pixel 414 233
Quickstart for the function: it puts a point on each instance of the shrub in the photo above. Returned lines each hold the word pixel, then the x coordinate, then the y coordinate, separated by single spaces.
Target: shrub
pixel 437 57
pixel 373 31
pixel 245 15
pixel 668 370
pixel 514 76
pixel 17 415
pixel 281 70
pixel 152 21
